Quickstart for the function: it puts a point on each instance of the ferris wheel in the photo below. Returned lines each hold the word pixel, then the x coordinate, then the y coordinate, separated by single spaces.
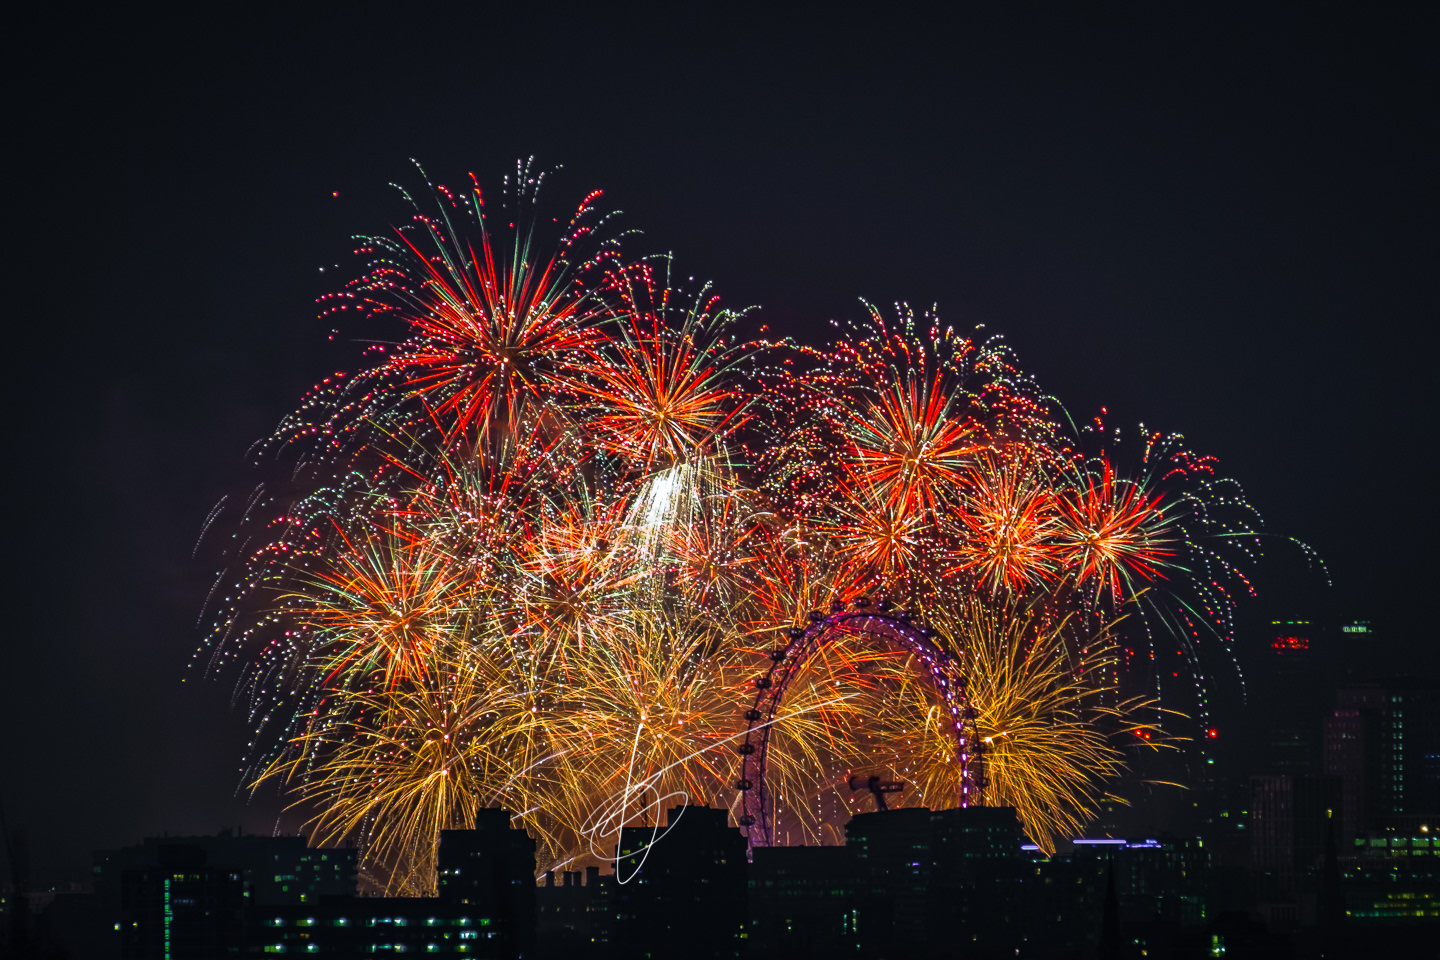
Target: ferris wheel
pixel 874 621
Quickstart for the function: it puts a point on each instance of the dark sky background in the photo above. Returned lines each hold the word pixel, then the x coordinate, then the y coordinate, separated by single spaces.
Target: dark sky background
pixel 1218 223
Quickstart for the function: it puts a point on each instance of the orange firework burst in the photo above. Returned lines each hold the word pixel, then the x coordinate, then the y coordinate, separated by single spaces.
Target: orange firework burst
pixel 576 574
pixel 715 562
pixel 661 391
pixel 1109 530
pixel 380 611
pixel 875 540
pixel 490 333
pixel 910 446
pixel 1007 523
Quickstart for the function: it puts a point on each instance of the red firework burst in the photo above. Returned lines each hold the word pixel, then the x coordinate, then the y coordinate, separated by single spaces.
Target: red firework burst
pixel 910 446
pixel 1109 530
pixel 1007 523
pixel 662 389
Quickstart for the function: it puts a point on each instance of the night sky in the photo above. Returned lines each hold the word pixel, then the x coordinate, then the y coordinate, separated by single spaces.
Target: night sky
pixel 1215 223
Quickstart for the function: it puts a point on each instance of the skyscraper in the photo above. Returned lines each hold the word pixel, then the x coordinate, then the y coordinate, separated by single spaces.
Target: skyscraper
pixel 1383 741
pixel 1352 753
pixel 492 867
pixel 680 889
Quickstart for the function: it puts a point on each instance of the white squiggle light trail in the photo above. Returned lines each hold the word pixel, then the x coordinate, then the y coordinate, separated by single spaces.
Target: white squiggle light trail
pixel 610 818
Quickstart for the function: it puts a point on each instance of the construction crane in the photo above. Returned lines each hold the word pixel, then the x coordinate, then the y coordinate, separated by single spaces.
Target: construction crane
pixel 878 788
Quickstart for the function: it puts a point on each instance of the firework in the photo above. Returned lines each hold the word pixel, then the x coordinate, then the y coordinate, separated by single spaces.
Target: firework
pixel 391 768
pixel 1111 533
pixel 1007 526
pixel 537 549
pixel 659 392
pixel 910 445
pixel 494 329
pixel 1052 730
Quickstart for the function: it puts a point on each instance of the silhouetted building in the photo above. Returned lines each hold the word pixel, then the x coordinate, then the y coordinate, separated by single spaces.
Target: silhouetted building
pixel 485 907
pixel 1288 686
pixel 493 867
pixel 182 907
pixel 1290 818
pixel 368 926
pixel 802 902
pixel 681 889
pixel 1410 751
pixel 894 854
pixel 948 880
pixel 1160 886
pixel 1158 880
pixel 192 896
pixel 275 870
pixel 571 918
pixel 1353 754
pixel 1383 742
pixel 908 883
pixel 1393 879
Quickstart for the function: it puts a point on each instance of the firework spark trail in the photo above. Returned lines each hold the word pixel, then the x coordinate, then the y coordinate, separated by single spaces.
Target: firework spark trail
pixel 1111 532
pixel 641 799
pixel 1052 733
pixel 563 504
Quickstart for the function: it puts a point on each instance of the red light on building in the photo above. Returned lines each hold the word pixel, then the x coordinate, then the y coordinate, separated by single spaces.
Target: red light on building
pixel 1290 644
